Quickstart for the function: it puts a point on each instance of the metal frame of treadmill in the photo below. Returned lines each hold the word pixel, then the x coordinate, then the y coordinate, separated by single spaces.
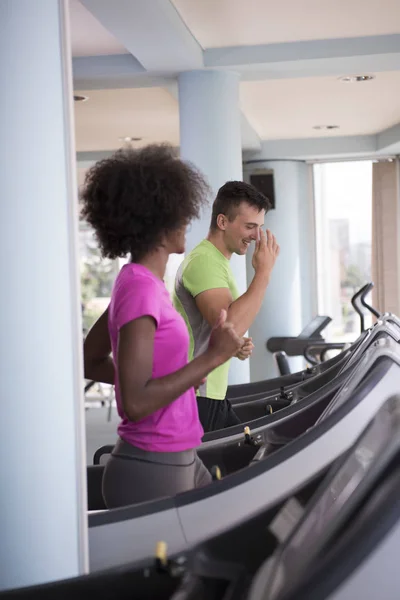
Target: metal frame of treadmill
pixel 382 327
pixel 360 570
pixel 120 536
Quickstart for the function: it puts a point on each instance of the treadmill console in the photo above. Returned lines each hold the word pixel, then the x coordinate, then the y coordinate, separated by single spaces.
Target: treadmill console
pixel 295 346
pixel 314 327
pixel 333 503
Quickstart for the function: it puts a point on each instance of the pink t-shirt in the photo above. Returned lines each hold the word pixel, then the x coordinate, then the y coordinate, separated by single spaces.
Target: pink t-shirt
pixel 137 293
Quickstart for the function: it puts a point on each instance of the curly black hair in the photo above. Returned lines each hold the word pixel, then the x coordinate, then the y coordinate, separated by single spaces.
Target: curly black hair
pixel 231 195
pixel 134 197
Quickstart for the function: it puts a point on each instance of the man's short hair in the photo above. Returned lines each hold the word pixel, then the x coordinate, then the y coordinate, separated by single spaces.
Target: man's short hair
pixel 231 195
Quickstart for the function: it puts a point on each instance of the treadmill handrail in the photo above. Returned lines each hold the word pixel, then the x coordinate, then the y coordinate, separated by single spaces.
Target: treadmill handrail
pixel 368 306
pixel 355 303
pixel 323 347
pixel 107 449
pixel 358 300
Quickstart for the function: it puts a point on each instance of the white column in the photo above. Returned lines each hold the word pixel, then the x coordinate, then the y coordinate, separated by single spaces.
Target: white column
pixel 288 300
pixel 210 138
pixel 42 477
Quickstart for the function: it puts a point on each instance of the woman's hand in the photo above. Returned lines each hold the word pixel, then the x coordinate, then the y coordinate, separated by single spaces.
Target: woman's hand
pixel 224 341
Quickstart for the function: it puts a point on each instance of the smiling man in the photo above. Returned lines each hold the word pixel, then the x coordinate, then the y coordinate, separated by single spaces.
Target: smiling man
pixel 205 284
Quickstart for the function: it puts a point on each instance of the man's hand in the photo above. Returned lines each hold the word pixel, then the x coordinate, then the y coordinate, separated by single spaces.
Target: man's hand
pixel 266 252
pixel 246 350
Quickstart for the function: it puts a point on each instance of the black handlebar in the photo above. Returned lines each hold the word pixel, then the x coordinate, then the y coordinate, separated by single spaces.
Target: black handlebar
pixel 89 385
pixel 320 348
pixel 368 307
pixel 358 301
pixel 99 453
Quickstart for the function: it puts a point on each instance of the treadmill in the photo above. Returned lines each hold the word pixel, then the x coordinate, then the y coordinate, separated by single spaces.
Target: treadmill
pixel 131 533
pixel 232 449
pixel 308 341
pixel 240 393
pixel 224 559
pixel 231 453
pixel 310 393
pixel 269 387
pixel 252 410
pixel 236 393
pixel 351 527
pixel 331 539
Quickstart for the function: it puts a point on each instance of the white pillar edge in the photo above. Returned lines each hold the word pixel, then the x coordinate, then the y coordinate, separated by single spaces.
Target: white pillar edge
pixel 73 227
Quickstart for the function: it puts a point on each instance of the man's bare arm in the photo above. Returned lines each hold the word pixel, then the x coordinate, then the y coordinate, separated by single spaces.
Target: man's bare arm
pixel 243 311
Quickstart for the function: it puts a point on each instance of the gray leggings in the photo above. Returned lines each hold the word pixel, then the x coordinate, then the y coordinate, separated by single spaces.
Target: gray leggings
pixel 132 475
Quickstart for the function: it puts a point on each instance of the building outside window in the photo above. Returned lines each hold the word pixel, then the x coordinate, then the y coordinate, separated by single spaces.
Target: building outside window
pixel 343 212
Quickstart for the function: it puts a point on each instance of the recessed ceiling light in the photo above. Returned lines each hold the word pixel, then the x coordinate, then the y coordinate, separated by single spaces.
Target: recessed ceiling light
pixel 356 78
pixel 128 139
pixel 326 127
pixel 381 160
pixel 80 98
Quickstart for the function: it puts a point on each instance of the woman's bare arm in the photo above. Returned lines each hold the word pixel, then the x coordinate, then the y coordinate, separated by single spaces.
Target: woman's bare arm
pixel 98 364
pixel 140 394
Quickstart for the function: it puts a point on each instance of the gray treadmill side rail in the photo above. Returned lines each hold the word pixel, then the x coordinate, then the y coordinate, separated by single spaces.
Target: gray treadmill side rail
pixel 190 523
pixel 387 346
pixel 392 318
pixel 258 425
pixel 263 588
pixel 99 528
pixel 215 514
pixel 384 328
pixel 121 542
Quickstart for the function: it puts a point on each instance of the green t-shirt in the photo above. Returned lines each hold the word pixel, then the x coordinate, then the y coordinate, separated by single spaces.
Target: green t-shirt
pixel 204 268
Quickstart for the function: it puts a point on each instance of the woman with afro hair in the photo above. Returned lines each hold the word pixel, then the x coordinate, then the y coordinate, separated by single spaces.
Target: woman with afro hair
pixel 139 203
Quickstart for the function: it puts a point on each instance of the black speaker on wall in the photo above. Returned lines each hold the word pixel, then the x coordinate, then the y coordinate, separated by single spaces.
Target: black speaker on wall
pixel 264 183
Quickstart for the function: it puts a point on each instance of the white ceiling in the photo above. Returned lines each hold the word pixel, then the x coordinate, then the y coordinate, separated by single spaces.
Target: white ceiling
pixel 88 36
pixel 289 108
pixel 149 113
pixel 218 23
pixel 282 102
pixel 277 109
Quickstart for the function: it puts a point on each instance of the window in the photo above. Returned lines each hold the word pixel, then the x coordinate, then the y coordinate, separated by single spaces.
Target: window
pixel 97 277
pixel 173 265
pixel 343 212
